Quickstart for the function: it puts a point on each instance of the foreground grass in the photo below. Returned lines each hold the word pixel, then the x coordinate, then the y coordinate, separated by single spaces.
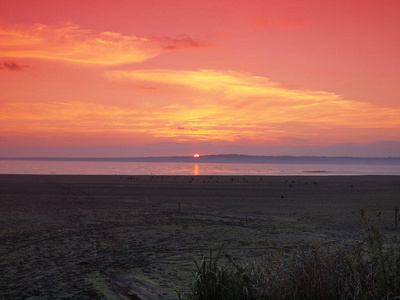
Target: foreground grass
pixel 368 269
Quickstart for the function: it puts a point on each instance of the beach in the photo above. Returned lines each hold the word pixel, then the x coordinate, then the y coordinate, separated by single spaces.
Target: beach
pixel 97 237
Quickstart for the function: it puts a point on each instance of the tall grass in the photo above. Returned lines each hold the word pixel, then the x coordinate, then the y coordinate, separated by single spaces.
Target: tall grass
pixel 368 269
pixel 216 279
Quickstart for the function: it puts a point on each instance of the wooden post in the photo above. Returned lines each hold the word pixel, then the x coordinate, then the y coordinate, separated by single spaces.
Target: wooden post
pixel 179 207
pixel 396 210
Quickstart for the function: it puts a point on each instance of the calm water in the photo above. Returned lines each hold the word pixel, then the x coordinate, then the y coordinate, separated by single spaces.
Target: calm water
pixel 147 168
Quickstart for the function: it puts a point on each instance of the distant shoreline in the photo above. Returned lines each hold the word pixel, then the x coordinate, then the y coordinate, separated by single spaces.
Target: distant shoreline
pixel 229 158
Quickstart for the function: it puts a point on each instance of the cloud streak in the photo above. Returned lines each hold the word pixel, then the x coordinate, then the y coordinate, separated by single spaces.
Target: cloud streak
pixel 13 66
pixel 219 107
pixel 236 96
pixel 180 42
pixel 74 44
pixel 72 116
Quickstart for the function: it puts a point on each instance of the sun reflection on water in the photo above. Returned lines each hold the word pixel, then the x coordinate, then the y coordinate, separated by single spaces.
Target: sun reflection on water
pixel 196 169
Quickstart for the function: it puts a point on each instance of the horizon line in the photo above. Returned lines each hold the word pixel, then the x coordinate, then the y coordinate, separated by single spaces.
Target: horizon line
pixel 201 157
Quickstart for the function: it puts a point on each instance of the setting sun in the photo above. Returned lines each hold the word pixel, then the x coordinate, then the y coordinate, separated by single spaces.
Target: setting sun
pixel 196 155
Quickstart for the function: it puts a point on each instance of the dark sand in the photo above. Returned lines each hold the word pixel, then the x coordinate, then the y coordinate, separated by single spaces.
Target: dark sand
pixel 83 237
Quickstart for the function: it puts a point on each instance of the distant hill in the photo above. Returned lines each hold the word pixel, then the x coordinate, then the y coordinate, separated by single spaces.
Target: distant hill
pixel 232 158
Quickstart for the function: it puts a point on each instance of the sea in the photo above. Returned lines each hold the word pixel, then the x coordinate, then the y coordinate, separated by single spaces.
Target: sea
pixel 173 168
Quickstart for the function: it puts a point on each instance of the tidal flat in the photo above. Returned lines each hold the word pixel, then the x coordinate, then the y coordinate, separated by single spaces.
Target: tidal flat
pixel 108 237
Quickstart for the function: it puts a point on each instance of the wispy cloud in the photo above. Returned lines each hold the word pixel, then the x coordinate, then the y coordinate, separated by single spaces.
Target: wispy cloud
pixel 180 42
pixel 238 93
pixel 231 105
pixel 13 66
pixel 74 44
pixel 74 116
pixel 215 106
pixel 65 118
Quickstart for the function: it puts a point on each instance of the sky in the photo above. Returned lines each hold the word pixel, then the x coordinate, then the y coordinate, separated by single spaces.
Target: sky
pixel 159 78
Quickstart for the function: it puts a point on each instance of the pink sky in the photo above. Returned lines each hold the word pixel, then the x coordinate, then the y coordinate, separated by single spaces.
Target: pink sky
pixel 149 78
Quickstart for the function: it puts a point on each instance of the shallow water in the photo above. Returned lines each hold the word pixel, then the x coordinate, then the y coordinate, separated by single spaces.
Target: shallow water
pixel 148 168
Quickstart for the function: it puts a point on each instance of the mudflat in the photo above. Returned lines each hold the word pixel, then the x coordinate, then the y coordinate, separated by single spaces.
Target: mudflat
pixel 96 237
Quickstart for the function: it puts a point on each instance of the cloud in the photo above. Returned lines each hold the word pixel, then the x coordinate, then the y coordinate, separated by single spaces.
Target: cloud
pixel 180 42
pixel 71 43
pixel 13 66
pixel 226 105
pixel 72 116
pixel 208 106
pixel 74 44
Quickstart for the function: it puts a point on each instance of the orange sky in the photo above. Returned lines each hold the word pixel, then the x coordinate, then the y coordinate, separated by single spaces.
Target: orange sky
pixel 144 78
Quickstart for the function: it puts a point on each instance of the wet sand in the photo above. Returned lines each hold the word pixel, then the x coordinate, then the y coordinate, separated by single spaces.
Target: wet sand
pixel 92 237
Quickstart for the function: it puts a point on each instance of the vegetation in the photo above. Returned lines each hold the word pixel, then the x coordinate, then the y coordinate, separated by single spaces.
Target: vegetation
pixel 368 269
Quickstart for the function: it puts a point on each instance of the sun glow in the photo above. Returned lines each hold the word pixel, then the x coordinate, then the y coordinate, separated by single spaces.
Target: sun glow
pixel 196 155
pixel 153 84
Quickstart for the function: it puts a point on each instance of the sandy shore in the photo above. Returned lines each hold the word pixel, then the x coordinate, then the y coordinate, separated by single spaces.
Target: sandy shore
pixel 85 236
